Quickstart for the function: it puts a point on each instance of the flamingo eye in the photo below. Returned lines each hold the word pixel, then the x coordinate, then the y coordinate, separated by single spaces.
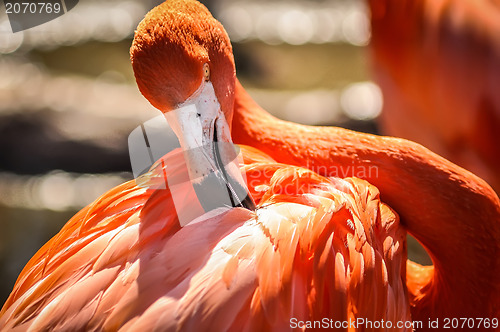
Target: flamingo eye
pixel 206 72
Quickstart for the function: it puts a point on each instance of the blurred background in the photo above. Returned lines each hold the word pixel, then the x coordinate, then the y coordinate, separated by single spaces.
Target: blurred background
pixel 68 99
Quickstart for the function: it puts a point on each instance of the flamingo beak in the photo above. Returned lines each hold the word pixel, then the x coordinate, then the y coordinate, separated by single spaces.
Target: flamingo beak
pixel 204 135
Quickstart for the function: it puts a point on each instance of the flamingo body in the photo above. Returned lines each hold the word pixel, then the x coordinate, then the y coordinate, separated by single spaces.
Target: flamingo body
pixel 454 214
pixel 438 64
pixel 317 247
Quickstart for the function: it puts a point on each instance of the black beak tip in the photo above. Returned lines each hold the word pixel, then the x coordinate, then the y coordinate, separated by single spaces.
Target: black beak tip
pixel 247 203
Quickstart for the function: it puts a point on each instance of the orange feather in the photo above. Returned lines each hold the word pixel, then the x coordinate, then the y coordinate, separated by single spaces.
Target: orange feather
pixel 316 247
pixel 452 212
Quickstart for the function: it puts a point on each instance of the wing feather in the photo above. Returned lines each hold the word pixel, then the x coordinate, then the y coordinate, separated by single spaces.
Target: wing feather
pixel 316 247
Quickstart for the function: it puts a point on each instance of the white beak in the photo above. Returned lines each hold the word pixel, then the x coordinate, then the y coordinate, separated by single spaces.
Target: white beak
pixel 205 138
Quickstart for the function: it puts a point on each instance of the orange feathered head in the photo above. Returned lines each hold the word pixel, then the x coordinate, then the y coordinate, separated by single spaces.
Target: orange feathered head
pixel 170 48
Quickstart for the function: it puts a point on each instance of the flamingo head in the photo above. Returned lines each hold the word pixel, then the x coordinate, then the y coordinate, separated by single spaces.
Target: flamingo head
pixel 183 64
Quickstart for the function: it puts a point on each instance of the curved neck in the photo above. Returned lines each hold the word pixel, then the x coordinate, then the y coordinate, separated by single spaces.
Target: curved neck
pixel 453 213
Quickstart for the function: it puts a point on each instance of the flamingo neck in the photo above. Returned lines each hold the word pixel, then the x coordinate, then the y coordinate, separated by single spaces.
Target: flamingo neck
pixel 453 213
